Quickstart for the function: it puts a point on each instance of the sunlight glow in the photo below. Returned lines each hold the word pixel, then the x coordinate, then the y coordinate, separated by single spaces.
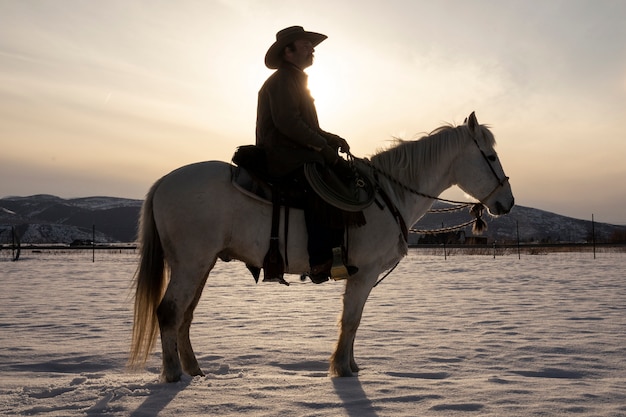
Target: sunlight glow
pixel 326 90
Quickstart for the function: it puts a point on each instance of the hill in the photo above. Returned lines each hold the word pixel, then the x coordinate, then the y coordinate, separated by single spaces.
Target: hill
pixel 50 219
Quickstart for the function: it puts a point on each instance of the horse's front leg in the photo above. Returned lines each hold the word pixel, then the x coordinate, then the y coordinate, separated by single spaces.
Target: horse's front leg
pixel 342 361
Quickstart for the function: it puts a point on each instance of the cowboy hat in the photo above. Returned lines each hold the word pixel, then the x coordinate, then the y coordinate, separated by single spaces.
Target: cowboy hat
pixel 274 55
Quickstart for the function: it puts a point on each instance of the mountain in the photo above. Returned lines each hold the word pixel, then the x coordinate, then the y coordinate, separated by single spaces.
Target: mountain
pixel 51 219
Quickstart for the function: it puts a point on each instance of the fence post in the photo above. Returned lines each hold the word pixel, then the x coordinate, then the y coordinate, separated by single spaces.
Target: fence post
pixel 445 254
pixel 593 235
pixel 519 253
pixel 15 245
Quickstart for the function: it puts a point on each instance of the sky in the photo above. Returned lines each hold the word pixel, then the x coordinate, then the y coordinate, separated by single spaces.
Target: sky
pixel 105 97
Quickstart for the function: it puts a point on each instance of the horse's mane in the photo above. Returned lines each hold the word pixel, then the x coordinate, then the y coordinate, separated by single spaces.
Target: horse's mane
pixel 409 156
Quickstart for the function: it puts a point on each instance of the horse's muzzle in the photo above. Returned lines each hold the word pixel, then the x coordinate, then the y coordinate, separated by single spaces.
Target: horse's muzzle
pixel 501 209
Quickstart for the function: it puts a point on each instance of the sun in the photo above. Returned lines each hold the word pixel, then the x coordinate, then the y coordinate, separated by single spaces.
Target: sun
pixel 339 82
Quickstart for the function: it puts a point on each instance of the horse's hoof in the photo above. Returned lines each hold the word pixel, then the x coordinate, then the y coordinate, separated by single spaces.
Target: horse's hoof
pixel 168 379
pixel 197 372
pixel 341 372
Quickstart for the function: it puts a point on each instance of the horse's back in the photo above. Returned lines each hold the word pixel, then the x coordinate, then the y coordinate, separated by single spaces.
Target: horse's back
pixel 199 173
pixel 192 199
pixel 193 180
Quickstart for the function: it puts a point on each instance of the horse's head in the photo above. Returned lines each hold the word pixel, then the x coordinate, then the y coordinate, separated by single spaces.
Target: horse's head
pixel 479 172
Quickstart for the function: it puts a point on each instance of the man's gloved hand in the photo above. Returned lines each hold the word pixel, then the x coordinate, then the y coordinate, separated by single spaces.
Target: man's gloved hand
pixel 330 155
pixel 338 142
pixel 343 145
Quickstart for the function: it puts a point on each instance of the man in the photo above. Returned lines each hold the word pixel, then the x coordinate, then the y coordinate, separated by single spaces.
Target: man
pixel 288 129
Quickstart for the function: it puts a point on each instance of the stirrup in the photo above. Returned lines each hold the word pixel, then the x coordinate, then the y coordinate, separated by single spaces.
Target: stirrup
pixel 338 271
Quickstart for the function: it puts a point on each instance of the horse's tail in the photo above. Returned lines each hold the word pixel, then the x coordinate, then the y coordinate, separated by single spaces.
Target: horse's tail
pixel 150 283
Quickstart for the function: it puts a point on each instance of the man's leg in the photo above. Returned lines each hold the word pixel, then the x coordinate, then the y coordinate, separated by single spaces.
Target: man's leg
pixel 320 240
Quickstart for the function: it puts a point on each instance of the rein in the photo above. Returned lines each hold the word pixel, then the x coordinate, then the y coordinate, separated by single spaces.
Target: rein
pixel 397 182
pixel 476 208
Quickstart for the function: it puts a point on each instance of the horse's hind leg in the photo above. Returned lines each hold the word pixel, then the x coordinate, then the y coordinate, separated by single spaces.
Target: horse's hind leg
pixel 182 291
pixel 187 356
pixel 342 361
pixel 168 313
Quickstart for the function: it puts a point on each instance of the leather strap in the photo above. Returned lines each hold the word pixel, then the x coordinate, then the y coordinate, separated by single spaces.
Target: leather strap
pixel 286 236
pixel 395 213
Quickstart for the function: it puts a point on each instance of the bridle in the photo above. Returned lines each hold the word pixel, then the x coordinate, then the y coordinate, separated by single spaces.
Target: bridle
pixel 500 181
pixel 489 161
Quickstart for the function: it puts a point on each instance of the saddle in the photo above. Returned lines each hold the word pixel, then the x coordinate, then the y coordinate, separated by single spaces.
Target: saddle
pixel 251 176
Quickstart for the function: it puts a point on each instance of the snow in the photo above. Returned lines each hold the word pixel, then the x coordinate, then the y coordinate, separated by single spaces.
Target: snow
pixel 103 203
pixel 35 233
pixel 466 336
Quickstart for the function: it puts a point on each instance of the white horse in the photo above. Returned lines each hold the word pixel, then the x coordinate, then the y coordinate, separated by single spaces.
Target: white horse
pixel 194 215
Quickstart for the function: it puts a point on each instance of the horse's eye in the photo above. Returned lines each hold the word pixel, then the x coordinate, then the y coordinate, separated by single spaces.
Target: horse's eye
pixel 492 158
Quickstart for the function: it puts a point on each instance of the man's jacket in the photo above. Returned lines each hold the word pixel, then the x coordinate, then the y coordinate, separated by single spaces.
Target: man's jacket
pixel 287 125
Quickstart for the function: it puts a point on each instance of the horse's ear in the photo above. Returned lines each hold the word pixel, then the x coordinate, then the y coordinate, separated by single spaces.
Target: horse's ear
pixel 472 122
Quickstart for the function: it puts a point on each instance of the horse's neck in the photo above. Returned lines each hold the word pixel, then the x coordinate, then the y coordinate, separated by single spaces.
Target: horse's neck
pixel 413 206
pixel 430 178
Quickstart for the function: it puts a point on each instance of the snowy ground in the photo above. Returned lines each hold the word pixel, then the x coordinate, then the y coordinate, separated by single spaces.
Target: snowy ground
pixel 470 335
